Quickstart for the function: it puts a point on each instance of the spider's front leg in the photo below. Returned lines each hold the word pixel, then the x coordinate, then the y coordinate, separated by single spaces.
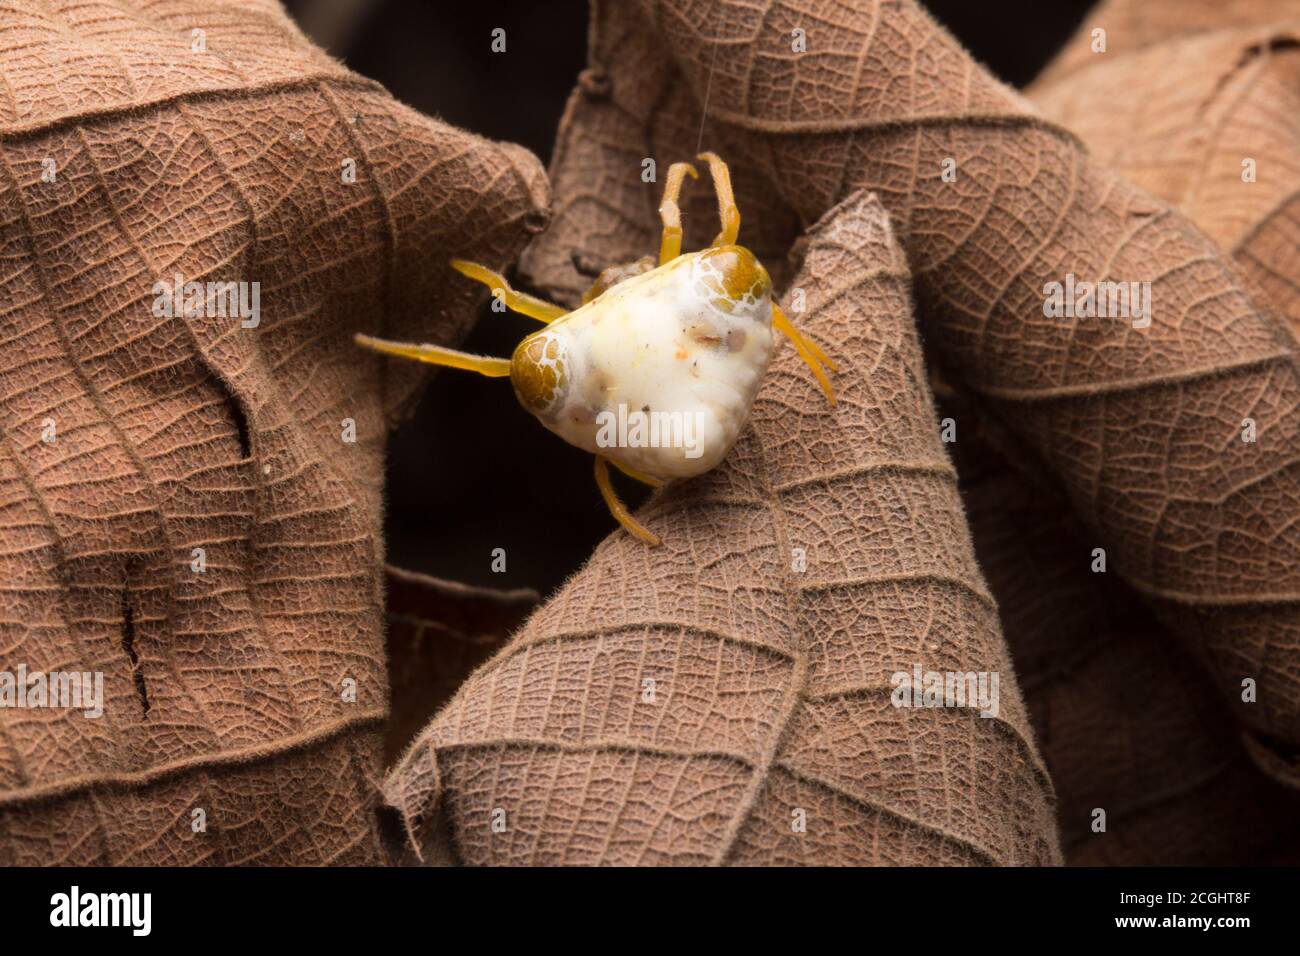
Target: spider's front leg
pixel 728 211
pixel 520 302
pixel 670 245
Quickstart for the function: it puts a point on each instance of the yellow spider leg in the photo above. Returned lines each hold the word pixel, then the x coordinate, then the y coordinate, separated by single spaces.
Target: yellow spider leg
pixel 639 476
pixel 782 325
pixel 520 302
pixel 727 210
pixel 813 347
pixel 437 355
pixel 618 509
pixel 670 246
pixel 816 350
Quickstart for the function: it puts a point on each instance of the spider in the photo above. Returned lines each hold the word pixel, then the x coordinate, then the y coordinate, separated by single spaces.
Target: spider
pixel 656 371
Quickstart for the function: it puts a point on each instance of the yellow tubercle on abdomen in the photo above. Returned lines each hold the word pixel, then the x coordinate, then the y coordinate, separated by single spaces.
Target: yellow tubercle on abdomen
pixel 539 371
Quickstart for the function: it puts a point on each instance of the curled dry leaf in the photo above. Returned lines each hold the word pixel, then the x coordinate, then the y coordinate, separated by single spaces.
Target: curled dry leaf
pixel 1126 721
pixel 1132 26
pixel 139 142
pixel 716 699
pixel 1140 427
pixel 1215 130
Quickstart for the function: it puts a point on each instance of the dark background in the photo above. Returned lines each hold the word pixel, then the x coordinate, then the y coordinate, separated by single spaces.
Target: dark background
pixel 471 471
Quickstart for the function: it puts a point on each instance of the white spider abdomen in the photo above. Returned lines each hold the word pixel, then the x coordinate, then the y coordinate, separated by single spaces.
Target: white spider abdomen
pixel 659 372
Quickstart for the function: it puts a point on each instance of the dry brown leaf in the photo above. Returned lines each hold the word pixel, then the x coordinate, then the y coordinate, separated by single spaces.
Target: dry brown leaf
pixel 769 694
pixel 438 632
pixel 1140 427
pixel 219 155
pixel 1183 95
pixel 1127 723
pixel 1187 112
pixel 1135 25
